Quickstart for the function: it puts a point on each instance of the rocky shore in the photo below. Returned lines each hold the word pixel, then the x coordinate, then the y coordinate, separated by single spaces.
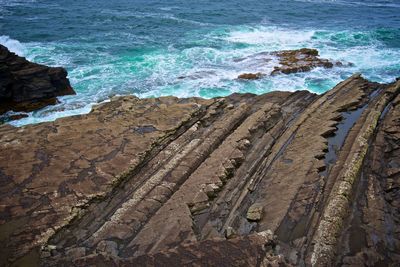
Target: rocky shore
pixel 27 86
pixel 280 179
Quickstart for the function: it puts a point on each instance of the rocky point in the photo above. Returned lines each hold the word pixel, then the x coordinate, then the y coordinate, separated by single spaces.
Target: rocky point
pixel 27 86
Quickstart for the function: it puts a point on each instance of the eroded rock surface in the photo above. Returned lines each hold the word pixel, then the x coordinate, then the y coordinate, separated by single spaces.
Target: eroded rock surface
pixel 372 235
pixel 170 182
pixel 26 86
pixel 253 250
pixel 288 61
pixel 305 59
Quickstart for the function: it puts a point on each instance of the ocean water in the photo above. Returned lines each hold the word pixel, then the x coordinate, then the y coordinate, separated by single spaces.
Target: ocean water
pixel 145 47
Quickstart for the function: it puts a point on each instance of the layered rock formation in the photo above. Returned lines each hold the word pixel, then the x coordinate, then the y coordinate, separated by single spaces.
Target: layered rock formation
pixel 277 179
pixel 26 86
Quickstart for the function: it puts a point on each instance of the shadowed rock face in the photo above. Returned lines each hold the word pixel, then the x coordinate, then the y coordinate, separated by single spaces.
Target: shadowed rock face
pixel 278 179
pixel 26 86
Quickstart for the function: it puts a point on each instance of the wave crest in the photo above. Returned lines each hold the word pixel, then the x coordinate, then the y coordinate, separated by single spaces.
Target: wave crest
pixel 270 35
pixel 12 45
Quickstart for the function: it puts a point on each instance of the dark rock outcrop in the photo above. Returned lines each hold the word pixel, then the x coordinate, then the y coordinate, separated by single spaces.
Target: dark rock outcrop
pixel 26 86
pixel 168 181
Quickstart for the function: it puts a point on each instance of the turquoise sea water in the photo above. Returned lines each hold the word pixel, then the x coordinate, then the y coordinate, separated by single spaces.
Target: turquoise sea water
pixel 144 47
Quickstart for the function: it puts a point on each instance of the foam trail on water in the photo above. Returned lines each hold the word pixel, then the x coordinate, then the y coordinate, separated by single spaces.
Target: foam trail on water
pixel 51 116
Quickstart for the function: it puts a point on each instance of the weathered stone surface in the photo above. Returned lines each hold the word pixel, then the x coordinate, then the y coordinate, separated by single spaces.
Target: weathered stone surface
pixel 229 232
pixel 26 86
pixel 168 181
pixel 254 213
pixel 288 61
pixel 77 160
pixel 305 59
pixel 253 250
pixel 347 177
pixel 371 236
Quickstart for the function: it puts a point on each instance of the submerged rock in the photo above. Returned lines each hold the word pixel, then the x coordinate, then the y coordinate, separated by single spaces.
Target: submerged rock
pixel 27 86
pixel 250 76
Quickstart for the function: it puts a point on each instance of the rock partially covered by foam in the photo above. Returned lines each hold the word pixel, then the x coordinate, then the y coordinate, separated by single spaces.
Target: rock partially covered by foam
pixel 250 76
pixel 301 60
pixel 27 86
pixel 290 61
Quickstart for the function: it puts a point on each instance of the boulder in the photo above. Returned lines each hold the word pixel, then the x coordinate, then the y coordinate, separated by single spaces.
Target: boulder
pixel 254 213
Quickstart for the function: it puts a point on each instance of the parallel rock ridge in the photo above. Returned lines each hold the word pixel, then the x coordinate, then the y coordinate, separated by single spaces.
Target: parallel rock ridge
pixel 26 86
pixel 278 179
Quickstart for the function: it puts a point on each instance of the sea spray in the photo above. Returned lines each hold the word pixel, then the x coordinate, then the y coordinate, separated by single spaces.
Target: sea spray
pixel 13 45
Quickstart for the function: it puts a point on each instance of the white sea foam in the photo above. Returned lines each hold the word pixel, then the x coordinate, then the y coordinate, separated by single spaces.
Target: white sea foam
pixel 50 115
pixel 270 36
pixel 13 45
pixel 207 65
pixel 205 70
